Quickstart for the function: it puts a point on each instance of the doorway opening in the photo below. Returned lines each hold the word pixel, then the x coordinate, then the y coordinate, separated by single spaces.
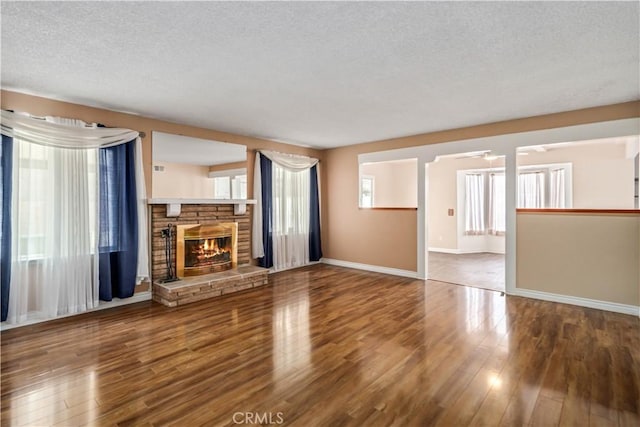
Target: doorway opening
pixel 466 220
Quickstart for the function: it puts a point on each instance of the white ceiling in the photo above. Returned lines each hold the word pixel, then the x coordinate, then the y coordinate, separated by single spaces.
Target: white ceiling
pixel 325 74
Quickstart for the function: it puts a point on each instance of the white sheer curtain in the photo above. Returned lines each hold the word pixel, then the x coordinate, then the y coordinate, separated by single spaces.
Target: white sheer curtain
pixel 474 204
pixel 54 270
pixel 257 244
pixel 54 266
pixel 497 206
pixel 290 217
pixel 557 189
pixel 531 190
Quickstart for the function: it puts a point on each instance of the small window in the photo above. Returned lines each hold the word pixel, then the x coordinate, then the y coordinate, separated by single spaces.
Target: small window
pixel 557 191
pixel 222 187
pixel 474 218
pixel 228 185
pixel 531 192
pixel 366 191
pixel 239 187
pixel 497 202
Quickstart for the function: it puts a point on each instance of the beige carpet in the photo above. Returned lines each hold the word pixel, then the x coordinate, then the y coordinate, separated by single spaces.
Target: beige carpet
pixel 483 270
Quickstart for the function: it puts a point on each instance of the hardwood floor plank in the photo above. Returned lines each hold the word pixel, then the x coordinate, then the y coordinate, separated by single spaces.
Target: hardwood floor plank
pixel 546 412
pixel 330 346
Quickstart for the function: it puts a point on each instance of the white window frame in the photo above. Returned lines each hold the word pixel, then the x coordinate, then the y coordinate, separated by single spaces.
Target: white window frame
pixel 26 251
pixel 234 175
pixel 373 189
pixel 547 168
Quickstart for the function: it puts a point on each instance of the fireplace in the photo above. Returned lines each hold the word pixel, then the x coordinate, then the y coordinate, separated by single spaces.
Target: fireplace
pixel 204 248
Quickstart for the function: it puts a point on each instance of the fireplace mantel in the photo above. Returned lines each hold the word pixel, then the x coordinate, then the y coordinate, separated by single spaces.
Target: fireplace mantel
pixel 174 205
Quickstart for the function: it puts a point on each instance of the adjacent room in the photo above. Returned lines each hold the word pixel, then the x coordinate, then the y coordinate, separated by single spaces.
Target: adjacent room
pixel 320 213
pixel 469 248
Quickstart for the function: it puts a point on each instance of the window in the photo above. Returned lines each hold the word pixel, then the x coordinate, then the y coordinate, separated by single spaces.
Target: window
pixel 497 223
pixel 366 191
pixel 231 184
pixel 484 197
pixel 557 193
pixel 290 202
pixel 474 218
pixel 37 172
pixel 531 192
pixel 239 187
pixel 222 187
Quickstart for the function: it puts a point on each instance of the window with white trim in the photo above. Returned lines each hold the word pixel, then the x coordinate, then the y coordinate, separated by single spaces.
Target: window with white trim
pixel 474 215
pixel 229 184
pixel 367 185
pixel 538 187
pixel 497 220
pixel 35 168
pixel 531 187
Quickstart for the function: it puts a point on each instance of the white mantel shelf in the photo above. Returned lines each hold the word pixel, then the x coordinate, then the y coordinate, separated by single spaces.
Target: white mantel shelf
pixel 174 205
pixel 202 201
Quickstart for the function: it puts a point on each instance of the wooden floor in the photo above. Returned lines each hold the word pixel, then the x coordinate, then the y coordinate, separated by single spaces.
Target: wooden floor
pixel 480 270
pixel 328 346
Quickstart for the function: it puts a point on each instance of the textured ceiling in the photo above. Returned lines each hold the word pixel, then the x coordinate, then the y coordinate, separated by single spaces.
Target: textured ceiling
pixel 325 74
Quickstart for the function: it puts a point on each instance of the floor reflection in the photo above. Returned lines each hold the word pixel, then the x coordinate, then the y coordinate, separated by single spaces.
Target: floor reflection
pixel 58 400
pixel 482 311
pixel 291 341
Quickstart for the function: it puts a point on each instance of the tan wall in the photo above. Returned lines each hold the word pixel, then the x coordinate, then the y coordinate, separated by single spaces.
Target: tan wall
pixel 588 256
pixel 181 180
pixel 345 236
pixel 395 183
pixel 44 106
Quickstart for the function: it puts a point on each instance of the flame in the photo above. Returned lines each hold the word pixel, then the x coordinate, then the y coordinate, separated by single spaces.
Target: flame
pixel 211 251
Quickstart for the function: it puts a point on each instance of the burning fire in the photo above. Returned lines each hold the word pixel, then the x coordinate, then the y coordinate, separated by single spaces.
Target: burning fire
pixel 207 252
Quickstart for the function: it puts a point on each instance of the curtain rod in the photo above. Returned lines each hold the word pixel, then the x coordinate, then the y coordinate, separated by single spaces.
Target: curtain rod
pixel 257 150
pixel 141 133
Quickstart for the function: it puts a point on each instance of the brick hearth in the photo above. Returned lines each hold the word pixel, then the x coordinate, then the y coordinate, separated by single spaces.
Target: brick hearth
pixel 197 288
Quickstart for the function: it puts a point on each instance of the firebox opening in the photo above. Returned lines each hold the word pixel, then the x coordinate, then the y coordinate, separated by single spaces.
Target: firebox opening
pixel 203 249
pixel 207 251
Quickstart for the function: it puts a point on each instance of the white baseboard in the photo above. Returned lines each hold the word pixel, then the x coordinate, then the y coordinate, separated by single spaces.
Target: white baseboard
pixel 527 293
pixel 368 267
pixel 445 250
pixel 116 302
pixel 272 271
pixel 460 252
pixel 633 310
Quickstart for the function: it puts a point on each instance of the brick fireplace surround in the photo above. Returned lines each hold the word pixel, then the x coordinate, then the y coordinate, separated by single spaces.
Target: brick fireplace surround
pixel 209 285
